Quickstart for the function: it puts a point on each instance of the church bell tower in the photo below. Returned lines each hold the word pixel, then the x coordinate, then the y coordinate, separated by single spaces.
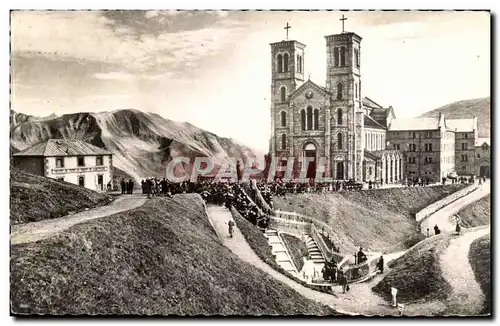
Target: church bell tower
pixel 343 79
pixel 287 71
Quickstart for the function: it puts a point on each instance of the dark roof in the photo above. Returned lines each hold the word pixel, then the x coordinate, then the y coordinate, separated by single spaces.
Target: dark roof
pixel 63 147
pixel 371 103
pixel 369 122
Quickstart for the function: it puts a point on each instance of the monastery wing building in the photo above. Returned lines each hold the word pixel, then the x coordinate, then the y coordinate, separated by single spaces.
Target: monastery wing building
pixel 356 137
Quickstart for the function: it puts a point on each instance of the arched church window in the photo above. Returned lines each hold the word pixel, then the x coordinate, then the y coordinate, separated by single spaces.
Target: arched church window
pixel 283 141
pixel 336 56
pixel 339 116
pixel 279 61
pixel 356 90
pixel 339 140
pixel 283 94
pixel 316 119
pixel 283 118
pixel 303 120
pixel 301 64
pixel 356 57
pixel 342 55
pixel 309 117
pixel 285 62
pixel 339 91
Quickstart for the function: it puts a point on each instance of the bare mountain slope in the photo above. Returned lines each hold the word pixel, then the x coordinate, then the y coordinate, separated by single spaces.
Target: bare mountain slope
pixel 479 107
pixel 142 143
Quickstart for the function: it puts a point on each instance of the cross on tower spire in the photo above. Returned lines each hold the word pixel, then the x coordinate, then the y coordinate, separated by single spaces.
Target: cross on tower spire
pixel 287 27
pixel 343 19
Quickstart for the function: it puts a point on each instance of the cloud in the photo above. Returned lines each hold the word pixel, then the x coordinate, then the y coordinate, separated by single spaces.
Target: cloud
pixel 114 76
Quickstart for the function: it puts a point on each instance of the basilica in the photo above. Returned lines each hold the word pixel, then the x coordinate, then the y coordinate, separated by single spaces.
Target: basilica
pixel 359 139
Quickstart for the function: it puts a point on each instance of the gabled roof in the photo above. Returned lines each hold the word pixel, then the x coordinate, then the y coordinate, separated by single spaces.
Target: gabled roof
pixel 460 125
pixel 323 91
pixel 369 122
pixel 414 124
pixel 63 147
pixel 371 103
pixel 481 141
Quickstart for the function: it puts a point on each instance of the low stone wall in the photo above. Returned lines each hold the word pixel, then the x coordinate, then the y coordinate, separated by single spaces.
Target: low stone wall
pixel 431 209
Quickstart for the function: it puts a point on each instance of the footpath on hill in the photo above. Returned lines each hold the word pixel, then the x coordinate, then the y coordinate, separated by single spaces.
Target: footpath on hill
pixel 35 231
pixel 444 218
pixel 466 297
pixel 360 300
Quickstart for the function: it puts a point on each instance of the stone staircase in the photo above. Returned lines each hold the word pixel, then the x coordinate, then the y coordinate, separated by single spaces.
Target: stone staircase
pixel 314 251
pixel 278 249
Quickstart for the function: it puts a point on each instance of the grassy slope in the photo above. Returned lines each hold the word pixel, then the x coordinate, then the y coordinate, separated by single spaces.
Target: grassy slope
pixel 34 198
pixel 477 213
pixel 161 258
pixel 297 249
pixel 480 260
pixel 417 274
pixel 376 219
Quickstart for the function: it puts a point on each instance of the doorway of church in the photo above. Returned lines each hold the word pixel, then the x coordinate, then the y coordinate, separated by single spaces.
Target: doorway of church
pixel 340 171
pixel 484 171
pixel 310 155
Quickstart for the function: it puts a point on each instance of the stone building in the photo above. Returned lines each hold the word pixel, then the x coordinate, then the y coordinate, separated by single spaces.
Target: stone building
pixel 312 123
pixel 483 157
pixel 428 144
pixel 350 135
pixel 466 135
pixel 73 161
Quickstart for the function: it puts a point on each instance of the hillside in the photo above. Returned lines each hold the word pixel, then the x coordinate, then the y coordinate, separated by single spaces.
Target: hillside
pixel 375 219
pixel 162 258
pixel 142 143
pixel 480 260
pixel 34 198
pixel 476 214
pixel 479 107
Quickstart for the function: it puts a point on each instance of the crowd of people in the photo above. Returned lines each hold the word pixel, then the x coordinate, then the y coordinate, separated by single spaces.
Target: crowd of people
pixel 127 187
pixel 281 188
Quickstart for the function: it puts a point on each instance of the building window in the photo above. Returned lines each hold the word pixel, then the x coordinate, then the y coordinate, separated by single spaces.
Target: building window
pixel 309 118
pixel 339 117
pixel 60 162
pixel 283 94
pixel 411 160
pixel 303 119
pixel 279 61
pixel 339 140
pixel 464 146
pixel 342 56
pixel 413 148
pixel 485 147
pixel 285 62
pixel 464 167
pixel 478 156
pixel 464 158
pixel 466 136
pixel 339 91
pixel 356 90
pixel 356 57
pixel 316 119
pixel 283 141
pixel 99 161
pixel 81 161
pixel 81 181
pixel 370 171
pixel 396 147
pixel 428 160
pixel 428 147
pixel 298 63
pixel 336 57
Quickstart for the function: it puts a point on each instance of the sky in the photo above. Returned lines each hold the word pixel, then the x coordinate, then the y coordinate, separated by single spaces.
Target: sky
pixel 213 68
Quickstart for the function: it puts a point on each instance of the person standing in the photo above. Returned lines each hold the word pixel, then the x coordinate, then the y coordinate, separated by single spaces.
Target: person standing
pixel 230 228
pixel 123 185
pixel 380 264
pixel 457 228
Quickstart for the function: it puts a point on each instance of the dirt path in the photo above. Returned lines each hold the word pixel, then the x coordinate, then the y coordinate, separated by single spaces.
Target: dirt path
pixel 359 300
pixel 35 231
pixel 444 217
pixel 466 297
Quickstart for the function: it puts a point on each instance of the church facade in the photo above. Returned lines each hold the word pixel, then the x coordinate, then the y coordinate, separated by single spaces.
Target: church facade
pixel 334 123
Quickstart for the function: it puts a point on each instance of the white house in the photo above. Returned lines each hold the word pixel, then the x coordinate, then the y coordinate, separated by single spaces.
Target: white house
pixel 73 161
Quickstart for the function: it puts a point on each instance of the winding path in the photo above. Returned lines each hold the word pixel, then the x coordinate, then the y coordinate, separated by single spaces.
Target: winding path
pixel 359 300
pixel 467 296
pixel 444 219
pixel 36 231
